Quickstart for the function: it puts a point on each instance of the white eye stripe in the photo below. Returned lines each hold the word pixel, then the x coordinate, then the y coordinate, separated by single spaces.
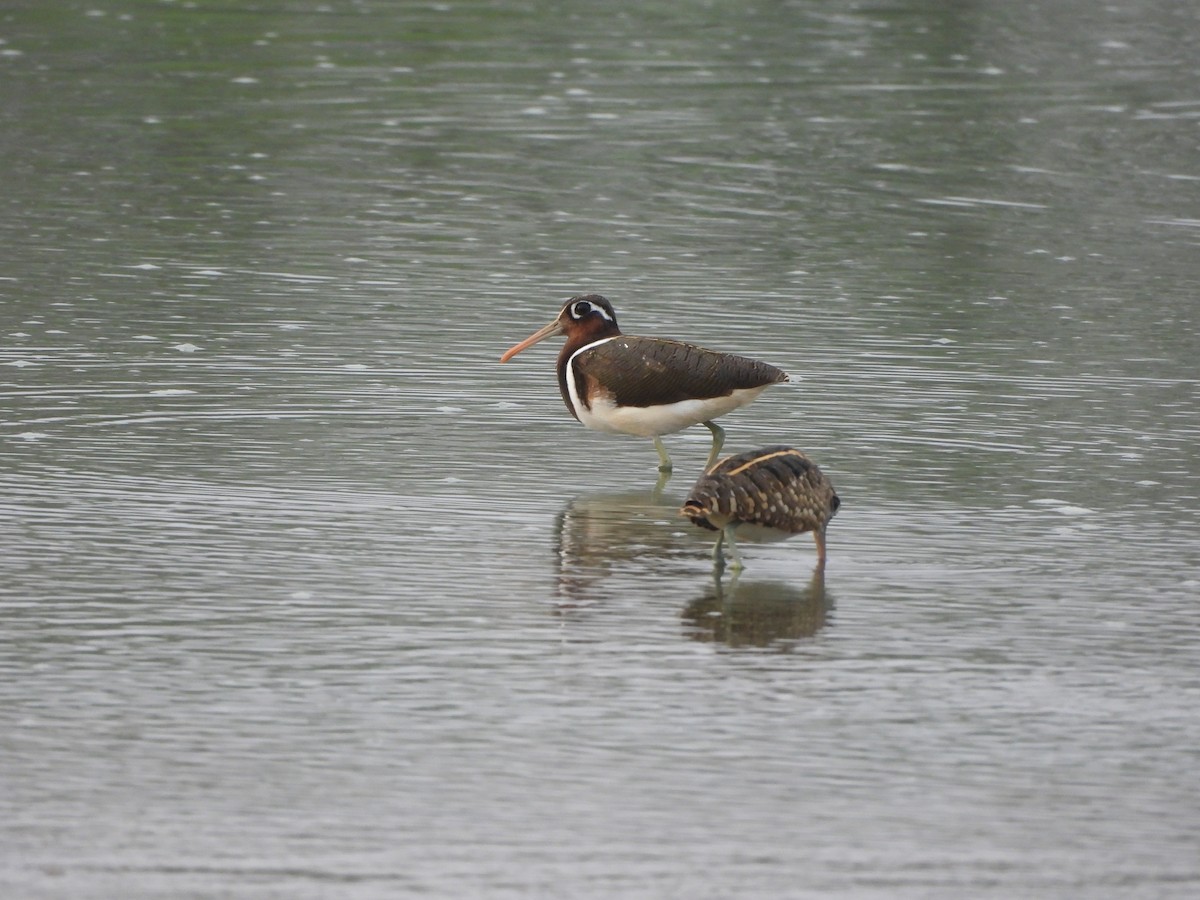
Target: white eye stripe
pixel 582 308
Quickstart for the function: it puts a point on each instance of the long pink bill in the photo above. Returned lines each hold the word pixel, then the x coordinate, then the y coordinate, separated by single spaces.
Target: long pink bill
pixel 541 334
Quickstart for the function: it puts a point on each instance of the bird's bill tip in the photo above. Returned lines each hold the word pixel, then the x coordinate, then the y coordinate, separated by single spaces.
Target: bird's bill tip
pixel 541 334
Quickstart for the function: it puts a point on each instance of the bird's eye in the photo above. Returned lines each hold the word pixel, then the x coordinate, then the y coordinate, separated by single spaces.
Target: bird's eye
pixel 581 309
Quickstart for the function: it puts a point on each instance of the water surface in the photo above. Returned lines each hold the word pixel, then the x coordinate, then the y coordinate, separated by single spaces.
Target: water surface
pixel 304 594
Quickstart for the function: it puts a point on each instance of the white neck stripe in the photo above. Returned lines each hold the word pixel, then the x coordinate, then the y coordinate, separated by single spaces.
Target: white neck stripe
pixel 576 400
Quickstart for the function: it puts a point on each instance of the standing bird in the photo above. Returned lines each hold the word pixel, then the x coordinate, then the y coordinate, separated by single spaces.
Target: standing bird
pixel 766 495
pixel 648 387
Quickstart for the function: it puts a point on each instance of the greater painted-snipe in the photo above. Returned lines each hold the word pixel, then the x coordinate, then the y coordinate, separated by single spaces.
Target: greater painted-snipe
pixel 643 386
pixel 765 495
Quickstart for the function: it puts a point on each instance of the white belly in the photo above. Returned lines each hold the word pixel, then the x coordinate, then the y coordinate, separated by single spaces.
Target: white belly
pixel 649 421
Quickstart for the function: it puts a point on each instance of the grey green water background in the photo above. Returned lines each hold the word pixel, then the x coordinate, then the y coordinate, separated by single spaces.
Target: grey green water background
pixel 303 595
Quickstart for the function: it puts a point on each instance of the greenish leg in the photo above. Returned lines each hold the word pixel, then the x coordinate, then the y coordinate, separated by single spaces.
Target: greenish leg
pixel 718 434
pixel 664 461
pixel 718 557
pixel 659 484
pixel 731 589
pixel 736 565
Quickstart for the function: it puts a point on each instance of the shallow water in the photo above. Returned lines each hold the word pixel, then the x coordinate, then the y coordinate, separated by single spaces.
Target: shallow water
pixel 303 593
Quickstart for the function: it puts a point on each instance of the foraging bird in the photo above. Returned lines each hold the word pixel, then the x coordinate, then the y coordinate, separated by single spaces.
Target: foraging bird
pixel 648 387
pixel 767 495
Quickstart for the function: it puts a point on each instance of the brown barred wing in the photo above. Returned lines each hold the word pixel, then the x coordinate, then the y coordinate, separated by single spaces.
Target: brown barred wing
pixel 777 487
pixel 650 372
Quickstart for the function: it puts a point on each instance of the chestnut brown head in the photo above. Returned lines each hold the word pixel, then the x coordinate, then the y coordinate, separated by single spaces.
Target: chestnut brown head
pixel 582 319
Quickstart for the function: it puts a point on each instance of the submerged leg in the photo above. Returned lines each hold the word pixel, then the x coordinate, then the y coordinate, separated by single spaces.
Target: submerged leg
pixel 718 434
pixel 736 565
pixel 664 461
pixel 726 592
pixel 718 556
pixel 659 484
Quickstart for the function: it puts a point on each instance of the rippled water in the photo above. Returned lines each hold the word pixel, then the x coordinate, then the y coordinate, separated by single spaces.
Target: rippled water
pixel 303 594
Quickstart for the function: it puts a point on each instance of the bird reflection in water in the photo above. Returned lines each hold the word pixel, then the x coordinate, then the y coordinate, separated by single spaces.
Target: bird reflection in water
pixel 596 535
pixel 759 613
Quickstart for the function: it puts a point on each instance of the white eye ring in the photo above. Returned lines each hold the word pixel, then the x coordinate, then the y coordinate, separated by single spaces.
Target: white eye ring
pixel 581 309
